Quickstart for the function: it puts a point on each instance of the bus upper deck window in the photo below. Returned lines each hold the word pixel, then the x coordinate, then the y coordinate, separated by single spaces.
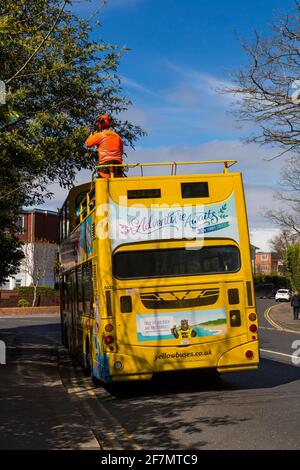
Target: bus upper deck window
pixel 194 189
pixel 150 193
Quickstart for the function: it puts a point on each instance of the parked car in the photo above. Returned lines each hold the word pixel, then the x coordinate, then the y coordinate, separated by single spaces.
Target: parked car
pixel 283 295
pixel 265 291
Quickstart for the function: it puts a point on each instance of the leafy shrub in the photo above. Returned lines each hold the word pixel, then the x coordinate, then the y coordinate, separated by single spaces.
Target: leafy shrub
pixel 43 290
pixel 23 303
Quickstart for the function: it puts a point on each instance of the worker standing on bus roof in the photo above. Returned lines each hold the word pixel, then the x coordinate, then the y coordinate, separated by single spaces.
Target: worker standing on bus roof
pixel 109 145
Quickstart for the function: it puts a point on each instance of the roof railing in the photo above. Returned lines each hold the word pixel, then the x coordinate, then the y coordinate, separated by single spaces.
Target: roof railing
pixel 88 202
pixel 174 165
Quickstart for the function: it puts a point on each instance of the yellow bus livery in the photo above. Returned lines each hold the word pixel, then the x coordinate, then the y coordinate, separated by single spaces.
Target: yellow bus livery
pixel 156 275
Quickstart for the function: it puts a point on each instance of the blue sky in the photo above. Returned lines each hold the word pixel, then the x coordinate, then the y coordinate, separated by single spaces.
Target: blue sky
pixel 181 52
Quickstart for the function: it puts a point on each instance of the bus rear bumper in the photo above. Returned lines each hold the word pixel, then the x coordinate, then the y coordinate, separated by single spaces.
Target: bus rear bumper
pixel 242 357
pixel 136 368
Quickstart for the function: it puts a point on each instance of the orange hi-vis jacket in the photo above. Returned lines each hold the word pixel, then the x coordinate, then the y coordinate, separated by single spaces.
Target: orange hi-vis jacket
pixel 109 144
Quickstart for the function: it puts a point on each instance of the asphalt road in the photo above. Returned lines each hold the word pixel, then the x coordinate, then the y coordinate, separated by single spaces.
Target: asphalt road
pixel 248 410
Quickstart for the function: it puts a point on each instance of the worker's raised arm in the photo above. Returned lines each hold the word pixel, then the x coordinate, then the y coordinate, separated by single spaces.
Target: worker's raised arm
pixel 93 140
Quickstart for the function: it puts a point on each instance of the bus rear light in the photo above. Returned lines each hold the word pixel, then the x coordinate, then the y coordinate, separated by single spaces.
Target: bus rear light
pixel 253 328
pixel 252 317
pixel 249 354
pixel 253 337
pixel 109 339
pixel 108 327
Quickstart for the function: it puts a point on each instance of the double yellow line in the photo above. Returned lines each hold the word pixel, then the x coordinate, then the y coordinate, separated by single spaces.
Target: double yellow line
pixel 276 325
pixel 108 431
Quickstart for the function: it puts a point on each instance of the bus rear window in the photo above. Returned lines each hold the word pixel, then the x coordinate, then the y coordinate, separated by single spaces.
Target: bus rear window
pixel 176 262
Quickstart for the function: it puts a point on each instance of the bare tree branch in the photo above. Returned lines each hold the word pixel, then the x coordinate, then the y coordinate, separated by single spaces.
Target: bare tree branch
pixel 39 46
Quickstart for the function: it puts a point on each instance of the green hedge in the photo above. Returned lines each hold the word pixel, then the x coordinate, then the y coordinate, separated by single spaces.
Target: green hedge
pixel 293 265
pixel 45 290
pixel 275 279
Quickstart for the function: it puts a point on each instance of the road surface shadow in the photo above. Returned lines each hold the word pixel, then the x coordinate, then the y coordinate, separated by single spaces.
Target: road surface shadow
pixel 35 410
pixel 270 373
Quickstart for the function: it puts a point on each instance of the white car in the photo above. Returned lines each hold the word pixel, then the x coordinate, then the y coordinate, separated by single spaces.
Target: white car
pixel 283 295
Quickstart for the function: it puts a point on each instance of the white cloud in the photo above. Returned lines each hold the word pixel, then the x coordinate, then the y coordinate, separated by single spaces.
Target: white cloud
pixel 201 80
pixel 138 116
pixel 188 105
pixel 130 83
pixel 259 199
pixel 60 193
pixel 251 158
pixel 261 237
pixel 197 85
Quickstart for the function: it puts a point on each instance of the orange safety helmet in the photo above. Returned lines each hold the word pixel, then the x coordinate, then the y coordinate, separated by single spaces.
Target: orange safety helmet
pixel 103 121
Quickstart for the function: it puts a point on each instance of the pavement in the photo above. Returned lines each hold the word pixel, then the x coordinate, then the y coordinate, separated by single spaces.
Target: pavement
pixel 36 410
pixel 281 317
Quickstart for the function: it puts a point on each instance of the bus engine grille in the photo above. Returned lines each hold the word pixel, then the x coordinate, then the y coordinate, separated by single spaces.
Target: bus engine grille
pixel 180 299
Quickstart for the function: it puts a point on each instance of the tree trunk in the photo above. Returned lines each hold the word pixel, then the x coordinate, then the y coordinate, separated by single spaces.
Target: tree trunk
pixel 34 294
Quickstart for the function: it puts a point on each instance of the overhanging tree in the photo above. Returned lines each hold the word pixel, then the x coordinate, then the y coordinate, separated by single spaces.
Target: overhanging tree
pixel 59 74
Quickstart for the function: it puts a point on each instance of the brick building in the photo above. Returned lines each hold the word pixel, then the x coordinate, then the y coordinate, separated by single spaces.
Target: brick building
pixel 266 263
pixel 38 230
pixel 38 225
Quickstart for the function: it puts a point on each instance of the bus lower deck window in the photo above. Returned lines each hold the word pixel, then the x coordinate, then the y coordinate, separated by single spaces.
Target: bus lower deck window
pixel 176 262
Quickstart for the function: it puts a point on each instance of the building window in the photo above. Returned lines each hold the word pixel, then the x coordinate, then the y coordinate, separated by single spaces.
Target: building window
pixel 20 226
pixel 265 257
pixel 18 282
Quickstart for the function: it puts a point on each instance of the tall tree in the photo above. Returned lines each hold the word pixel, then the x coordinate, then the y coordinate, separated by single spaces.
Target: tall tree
pixel 267 93
pixel 59 74
pixel 293 265
pixel 288 216
pixel 280 243
pixel 268 88
pixel 39 264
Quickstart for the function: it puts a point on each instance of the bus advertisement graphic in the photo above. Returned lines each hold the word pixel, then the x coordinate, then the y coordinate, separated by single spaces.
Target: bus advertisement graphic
pixel 86 239
pixel 138 223
pixel 181 325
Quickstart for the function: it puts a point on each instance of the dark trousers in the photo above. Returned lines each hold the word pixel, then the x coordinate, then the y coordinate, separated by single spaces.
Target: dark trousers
pixel 105 171
pixel 296 312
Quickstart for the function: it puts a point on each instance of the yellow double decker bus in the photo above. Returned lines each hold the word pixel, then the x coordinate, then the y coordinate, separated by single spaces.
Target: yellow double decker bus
pixel 156 274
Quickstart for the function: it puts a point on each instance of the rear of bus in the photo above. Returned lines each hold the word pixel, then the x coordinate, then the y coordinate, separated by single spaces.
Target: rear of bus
pixel 179 285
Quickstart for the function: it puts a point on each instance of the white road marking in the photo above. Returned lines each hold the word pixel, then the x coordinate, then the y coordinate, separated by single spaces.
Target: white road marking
pixel 275 352
pixel 266 328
